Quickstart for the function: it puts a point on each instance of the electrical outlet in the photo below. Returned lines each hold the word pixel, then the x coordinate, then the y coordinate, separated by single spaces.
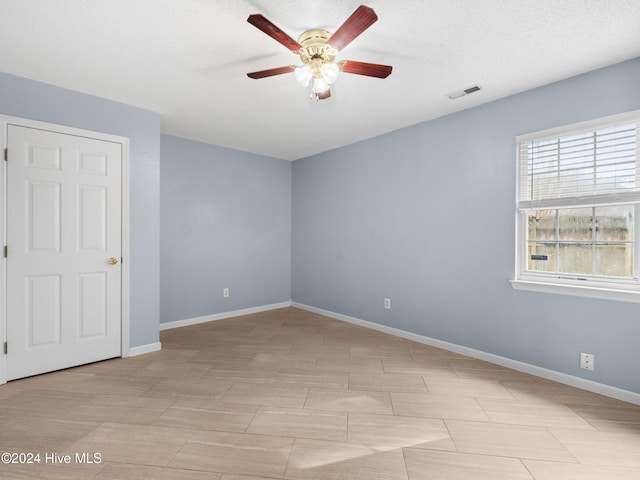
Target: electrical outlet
pixel 387 304
pixel 587 361
pixel 225 292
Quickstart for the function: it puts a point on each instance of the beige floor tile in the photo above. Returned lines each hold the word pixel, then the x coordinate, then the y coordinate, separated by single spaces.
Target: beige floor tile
pixel 253 351
pixel 235 371
pixel 43 403
pixel 537 414
pixel 137 444
pixel 283 361
pixel 242 454
pixel 425 353
pixel 320 460
pixel 610 416
pixel 381 353
pixel 208 415
pixel 271 394
pixel 236 399
pixel 120 409
pixel 323 353
pixel 313 378
pixel 392 341
pixel 348 401
pixel 434 465
pixel 498 375
pixel 243 477
pixel 437 406
pixel 602 448
pixel 466 387
pixel 174 388
pixel 241 339
pixel 122 401
pixel 299 317
pixel 172 353
pixel 507 441
pixel 285 338
pixel 351 340
pixel 10 389
pixel 473 368
pixel 48 468
pixel 351 365
pixel 61 380
pixel 387 382
pixel 118 471
pixel 399 431
pixel 300 423
pixel 571 471
pixel 246 376
pixel 220 351
pixel 182 370
pixel 40 434
pixel 307 337
pixel 547 391
pixel 428 368
pixel 127 386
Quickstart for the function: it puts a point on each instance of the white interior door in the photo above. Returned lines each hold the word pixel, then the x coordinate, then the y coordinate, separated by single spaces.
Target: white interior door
pixel 64 243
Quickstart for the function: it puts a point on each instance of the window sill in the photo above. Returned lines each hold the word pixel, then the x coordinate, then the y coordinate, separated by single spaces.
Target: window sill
pixel 590 291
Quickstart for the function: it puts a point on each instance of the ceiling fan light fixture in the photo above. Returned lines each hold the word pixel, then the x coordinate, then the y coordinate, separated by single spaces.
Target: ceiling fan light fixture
pixel 329 72
pixel 317 50
pixel 303 75
pixel 317 57
pixel 319 85
pixel 319 74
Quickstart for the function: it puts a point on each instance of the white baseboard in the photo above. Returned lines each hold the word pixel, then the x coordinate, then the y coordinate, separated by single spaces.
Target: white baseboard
pixel 142 349
pixel 595 387
pixel 222 316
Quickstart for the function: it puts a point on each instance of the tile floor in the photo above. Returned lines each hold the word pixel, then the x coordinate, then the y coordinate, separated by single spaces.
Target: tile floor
pixel 288 394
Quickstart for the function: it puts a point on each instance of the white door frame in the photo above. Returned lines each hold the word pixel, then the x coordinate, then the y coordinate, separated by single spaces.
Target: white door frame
pixel 5 121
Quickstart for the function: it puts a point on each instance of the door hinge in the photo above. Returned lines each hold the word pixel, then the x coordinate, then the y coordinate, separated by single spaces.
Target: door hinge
pixel 6 251
pixel 6 154
pixel 6 348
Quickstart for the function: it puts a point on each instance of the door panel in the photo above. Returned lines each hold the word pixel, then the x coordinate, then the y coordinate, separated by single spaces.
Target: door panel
pixel 92 304
pixel 43 216
pixel 43 310
pixel 92 220
pixel 63 226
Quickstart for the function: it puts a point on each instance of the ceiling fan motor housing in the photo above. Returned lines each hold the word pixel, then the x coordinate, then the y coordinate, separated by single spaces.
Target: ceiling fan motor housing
pixel 315 49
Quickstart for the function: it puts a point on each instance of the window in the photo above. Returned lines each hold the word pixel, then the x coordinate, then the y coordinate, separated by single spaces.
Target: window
pixel 578 209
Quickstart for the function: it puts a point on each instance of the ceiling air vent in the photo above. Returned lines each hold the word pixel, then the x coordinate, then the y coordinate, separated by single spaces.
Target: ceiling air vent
pixel 462 93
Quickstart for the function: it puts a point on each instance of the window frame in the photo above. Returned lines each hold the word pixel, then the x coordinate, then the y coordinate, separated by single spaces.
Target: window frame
pixel 619 289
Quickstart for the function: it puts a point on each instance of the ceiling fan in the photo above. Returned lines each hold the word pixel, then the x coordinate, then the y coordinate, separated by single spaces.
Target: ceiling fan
pixel 317 50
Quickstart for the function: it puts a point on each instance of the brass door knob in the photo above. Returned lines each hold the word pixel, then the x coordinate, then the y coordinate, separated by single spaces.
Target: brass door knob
pixel 113 261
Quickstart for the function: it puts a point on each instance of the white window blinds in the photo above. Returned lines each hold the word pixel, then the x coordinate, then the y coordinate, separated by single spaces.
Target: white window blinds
pixel 598 165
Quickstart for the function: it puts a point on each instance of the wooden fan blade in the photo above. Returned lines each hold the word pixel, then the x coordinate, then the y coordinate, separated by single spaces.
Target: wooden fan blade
pixel 271 72
pixel 358 22
pixel 368 69
pixel 261 23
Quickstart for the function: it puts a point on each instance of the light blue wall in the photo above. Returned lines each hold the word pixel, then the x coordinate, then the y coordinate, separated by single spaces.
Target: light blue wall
pixel 425 216
pixel 38 101
pixel 225 222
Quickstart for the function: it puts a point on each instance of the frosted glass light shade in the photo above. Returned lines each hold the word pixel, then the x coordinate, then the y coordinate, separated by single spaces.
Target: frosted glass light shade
pixel 303 75
pixel 330 72
pixel 319 85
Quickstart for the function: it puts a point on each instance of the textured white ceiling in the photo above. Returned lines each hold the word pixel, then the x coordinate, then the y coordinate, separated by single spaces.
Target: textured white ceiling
pixel 188 59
